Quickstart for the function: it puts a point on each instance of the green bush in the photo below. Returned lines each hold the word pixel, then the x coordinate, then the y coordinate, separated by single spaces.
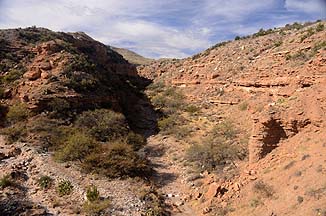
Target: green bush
pixel 154 202
pixel 13 75
pixel 45 182
pixel 225 129
pixel 65 188
pixel 309 33
pixel 263 189
pixel 243 106
pixel 166 124
pixel 96 207
pixel 219 148
pixel 79 73
pixel 17 112
pixel 192 109
pixel 117 160
pixel 15 132
pixel 50 132
pixel 237 38
pixel 263 32
pixel 76 147
pixel 278 43
pixel 59 106
pixel 320 27
pixel 104 125
pixel 169 101
pixel 6 181
pixel 92 194
pixel 137 141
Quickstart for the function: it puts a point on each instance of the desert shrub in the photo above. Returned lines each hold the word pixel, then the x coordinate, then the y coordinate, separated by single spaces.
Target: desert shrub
pixel 17 112
pixel 263 32
pixel 295 25
pixel 80 63
pixel 50 132
pixel 97 207
pixel 154 202
pixel 6 181
pixel 278 43
pixel 237 38
pixel 34 35
pixel 13 75
pixel 14 133
pixel 137 141
pixel 219 148
pixel 64 187
pixel 210 155
pixel 225 129
pixel 156 86
pixel 181 132
pixel 309 33
pixel 45 182
pixel 318 46
pixel 263 189
pixel 117 159
pixel 192 109
pixel 243 106
pixel 59 106
pixel 169 101
pixel 202 155
pixel 104 125
pixel 76 147
pixel 92 194
pixel 320 27
pixel 166 124
pixel 79 73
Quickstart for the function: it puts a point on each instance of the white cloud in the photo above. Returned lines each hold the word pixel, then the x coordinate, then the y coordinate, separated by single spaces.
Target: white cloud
pixel 170 28
pixel 308 6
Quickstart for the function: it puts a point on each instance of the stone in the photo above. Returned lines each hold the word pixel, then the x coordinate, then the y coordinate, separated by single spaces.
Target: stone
pixel 197 195
pixel 213 190
pixel 34 74
pixel 236 186
pixel 13 152
pixel 206 210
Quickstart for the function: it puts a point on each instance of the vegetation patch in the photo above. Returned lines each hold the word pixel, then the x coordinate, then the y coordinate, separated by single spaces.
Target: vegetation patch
pixel 117 159
pixel 263 189
pixel 92 194
pixel 15 132
pixel 45 182
pixel 64 188
pixel 6 181
pixel 220 146
pixel 97 207
pixel 104 125
pixel 17 112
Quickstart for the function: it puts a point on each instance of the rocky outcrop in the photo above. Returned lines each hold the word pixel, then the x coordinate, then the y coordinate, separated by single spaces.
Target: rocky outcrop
pixel 269 131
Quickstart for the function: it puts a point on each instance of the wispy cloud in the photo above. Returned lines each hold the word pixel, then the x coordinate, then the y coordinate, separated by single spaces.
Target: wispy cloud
pixel 171 28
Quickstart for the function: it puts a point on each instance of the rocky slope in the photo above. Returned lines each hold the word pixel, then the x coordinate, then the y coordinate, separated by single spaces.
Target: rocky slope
pixel 133 57
pixel 271 86
pixel 50 81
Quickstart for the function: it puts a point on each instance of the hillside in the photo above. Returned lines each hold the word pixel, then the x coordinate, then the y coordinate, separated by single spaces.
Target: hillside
pixel 68 107
pixel 235 130
pixel 132 57
pixel 264 93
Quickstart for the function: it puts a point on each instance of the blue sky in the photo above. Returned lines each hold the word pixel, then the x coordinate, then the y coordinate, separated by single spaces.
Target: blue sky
pixel 152 28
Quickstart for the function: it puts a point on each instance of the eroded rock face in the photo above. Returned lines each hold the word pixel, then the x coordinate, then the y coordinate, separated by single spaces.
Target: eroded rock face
pixel 268 133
